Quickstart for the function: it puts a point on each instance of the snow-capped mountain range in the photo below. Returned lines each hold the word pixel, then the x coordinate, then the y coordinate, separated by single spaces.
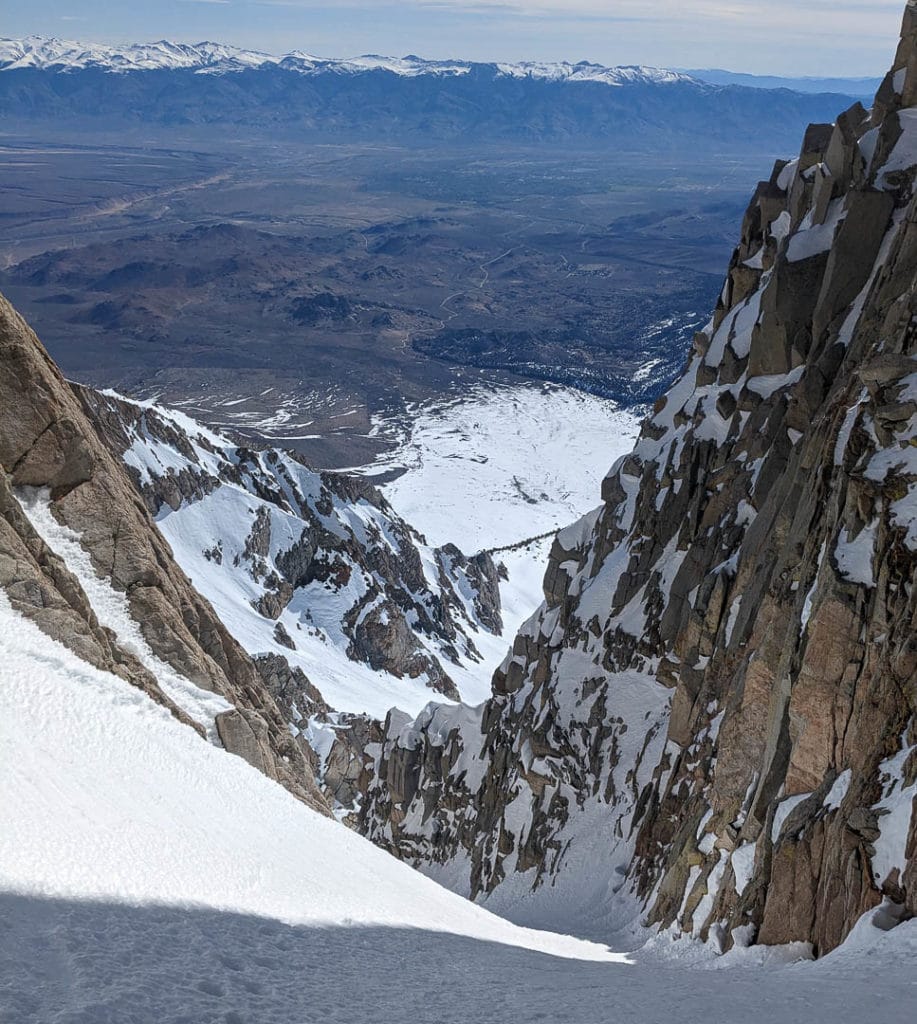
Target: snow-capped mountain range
pixel 64 55
pixel 165 84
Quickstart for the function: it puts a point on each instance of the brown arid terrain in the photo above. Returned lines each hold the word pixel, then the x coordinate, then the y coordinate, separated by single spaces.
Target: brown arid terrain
pixel 292 292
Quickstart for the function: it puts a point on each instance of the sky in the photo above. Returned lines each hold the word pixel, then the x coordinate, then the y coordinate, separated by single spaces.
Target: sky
pixel 843 38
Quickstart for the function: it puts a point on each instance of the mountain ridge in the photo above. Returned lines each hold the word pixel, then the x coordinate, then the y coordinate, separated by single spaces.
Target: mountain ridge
pixel 60 55
pixel 710 725
pixel 180 84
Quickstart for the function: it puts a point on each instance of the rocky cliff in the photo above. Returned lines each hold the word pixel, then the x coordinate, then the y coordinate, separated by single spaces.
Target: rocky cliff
pixel 710 722
pixel 316 567
pixel 57 478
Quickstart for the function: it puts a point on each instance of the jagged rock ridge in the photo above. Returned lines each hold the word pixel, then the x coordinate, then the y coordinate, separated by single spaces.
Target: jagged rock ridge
pixel 300 561
pixel 712 719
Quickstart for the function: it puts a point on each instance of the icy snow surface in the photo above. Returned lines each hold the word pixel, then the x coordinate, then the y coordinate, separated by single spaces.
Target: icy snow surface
pixel 147 877
pixel 503 464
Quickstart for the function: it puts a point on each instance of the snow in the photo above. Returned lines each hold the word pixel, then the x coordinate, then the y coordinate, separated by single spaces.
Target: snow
pixel 585 72
pixel 780 228
pixel 807 603
pixel 149 877
pixel 904 515
pixel 731 621
pixel 835 795
pixel 767 386
pixel 784 809
pixel 854 556
pixel 904 156
pixel 519 461
pixel 895 809
pixel 868 143
pixel 106 797
pixel 814 240
pixel 112 610
pixel 67 56
pixel 843 436
pixel 705 906
pixel 786 176
pixel 313 618
pixel 736 329
pixel 743 863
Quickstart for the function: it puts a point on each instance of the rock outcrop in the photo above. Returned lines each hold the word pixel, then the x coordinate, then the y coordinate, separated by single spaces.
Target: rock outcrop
pixel 302 557
pixel 49 444
pixel 712 719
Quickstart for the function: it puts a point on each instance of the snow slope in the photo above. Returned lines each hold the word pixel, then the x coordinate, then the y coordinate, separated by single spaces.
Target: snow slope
pixel 502 464
pixel 105 796
pixel 147 877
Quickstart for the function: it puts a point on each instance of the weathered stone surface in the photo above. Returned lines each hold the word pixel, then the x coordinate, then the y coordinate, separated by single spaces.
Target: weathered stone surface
pixel 350 763
pixel 48 439
pixel 722 681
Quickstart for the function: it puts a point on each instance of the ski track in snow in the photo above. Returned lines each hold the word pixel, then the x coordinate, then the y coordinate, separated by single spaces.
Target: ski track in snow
pixel 147 877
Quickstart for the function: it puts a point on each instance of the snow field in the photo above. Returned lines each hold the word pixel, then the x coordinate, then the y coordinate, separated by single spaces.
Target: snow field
pixel 106 797
pixel 147 877
pixel 518 462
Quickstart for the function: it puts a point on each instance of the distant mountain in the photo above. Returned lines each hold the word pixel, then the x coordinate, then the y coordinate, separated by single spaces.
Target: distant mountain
pixel 63 55
pixel 862 88
pixel 173 84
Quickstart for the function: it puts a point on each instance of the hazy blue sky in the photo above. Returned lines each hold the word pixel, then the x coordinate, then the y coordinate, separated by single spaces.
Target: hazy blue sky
pixel 825 37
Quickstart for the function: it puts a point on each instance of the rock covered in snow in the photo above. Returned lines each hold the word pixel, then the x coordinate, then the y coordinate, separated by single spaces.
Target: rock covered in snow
pixel 315 567
pixel 68 56
pixel 712 719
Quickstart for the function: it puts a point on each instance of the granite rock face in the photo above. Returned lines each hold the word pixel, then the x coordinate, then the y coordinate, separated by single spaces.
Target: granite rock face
pixel 711 722
pixel 50 444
